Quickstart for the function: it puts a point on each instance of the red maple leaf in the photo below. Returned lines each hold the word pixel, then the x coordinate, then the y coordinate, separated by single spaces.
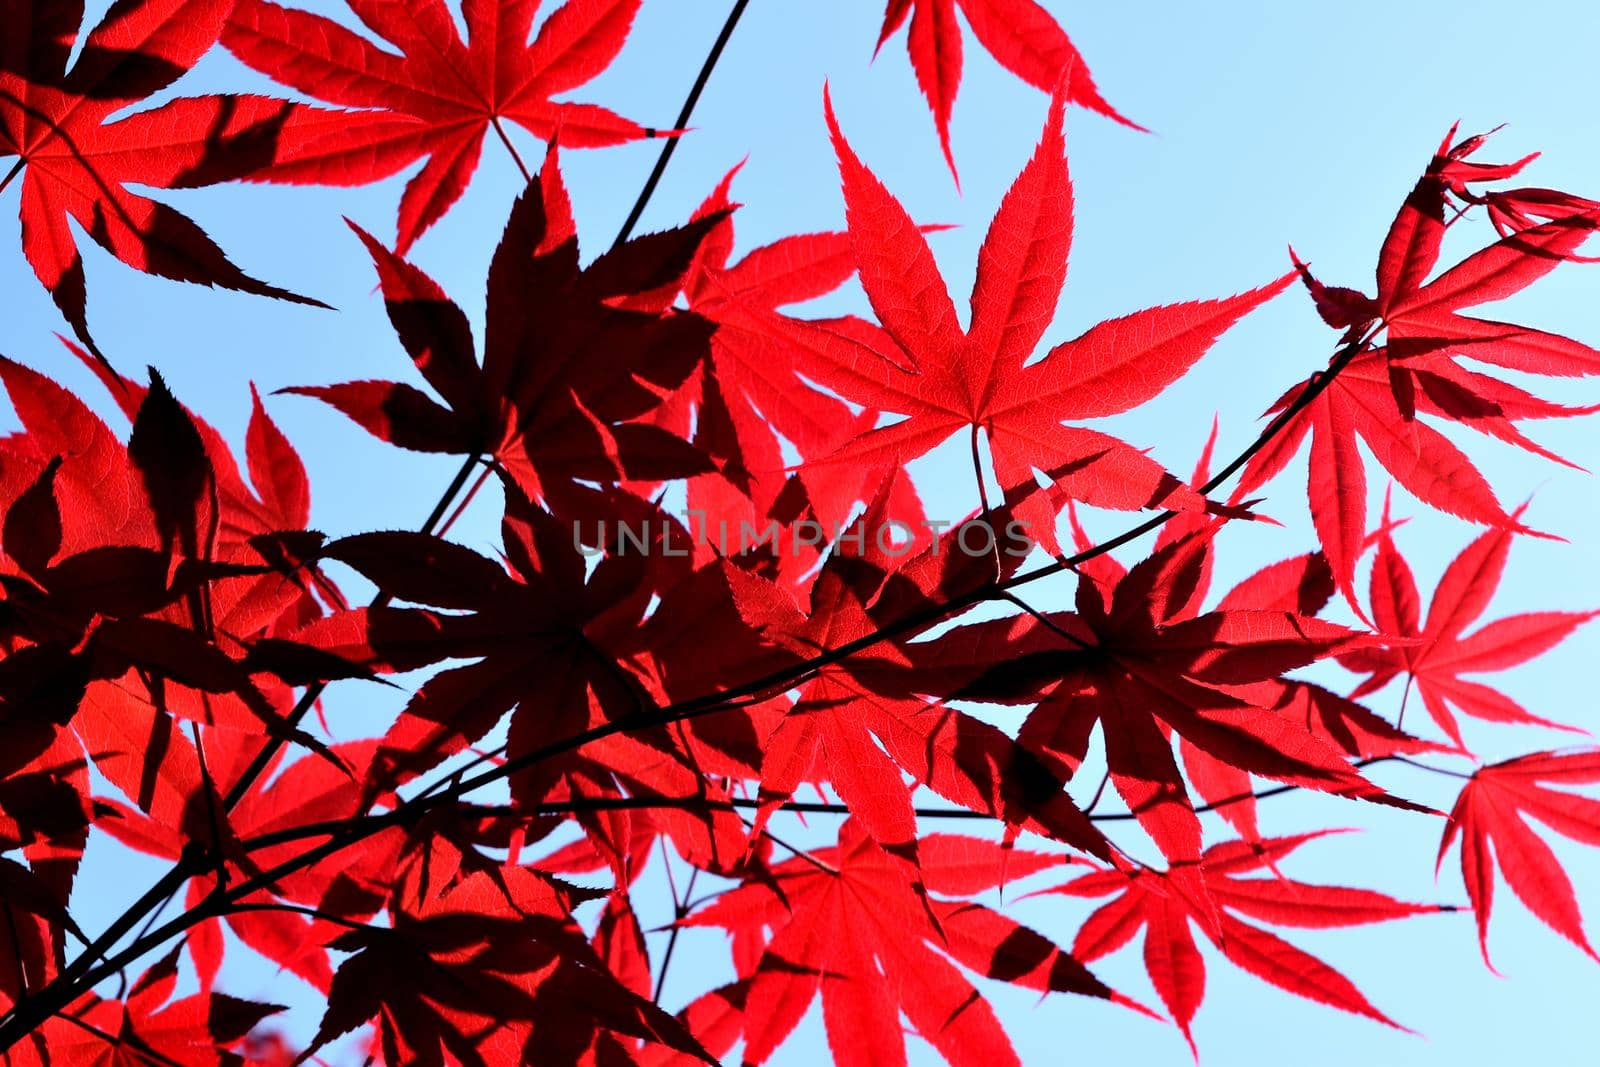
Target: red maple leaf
pixel 540 634
pixel 306 791
pixel 554 650
pixel 441 95
pixel 76 160
pixel 846 925
pixel 572 358
pixel 750 399
pixel 1433 655
pixel 1019 34
pixel 1490 816
pixel 118 621
pixel 923 365
pixel 263 509
pixel 1212 895
pixel 1300 585
pixel 147 1027
pixel 1137 659
pixel 492 971
pixel 1380 392
pixel 841 716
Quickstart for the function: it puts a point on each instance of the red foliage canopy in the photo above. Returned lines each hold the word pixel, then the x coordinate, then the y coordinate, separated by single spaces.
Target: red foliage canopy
pixel 622 694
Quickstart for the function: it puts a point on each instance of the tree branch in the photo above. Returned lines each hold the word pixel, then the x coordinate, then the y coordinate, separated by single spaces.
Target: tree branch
pixel 804 807
pixel 82 976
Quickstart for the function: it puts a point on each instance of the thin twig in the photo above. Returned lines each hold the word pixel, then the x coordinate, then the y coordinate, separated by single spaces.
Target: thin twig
pixel 804 807
pixel 684 114
pixel 155 917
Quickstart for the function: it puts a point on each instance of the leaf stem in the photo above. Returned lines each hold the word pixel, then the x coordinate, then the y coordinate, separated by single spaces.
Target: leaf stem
pixel 449 493
pixel 1400 719
pixel 1419 765
pixel 516 157
pixel 1100 791
pixel 483 476
pixel 799 853
pixel 11 175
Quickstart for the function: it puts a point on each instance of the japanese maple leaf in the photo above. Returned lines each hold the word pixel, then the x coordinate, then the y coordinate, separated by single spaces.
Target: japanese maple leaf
pixel 552 649
pixel 846 925
pixel 438 98
pixel 263 508
pixel 602 657
pixel 492 971
pixel 751 397
pixel 828 732
pixel 1379 394
pixel 76 161
pixel 790 270
pixel 125 618
pixel 848 709
pixel 83 541
pixel 147 1027
pixel 571 357
pixel 1019 34
pixel 1301 585
pixel 1134 659
pixel 946 379
pixel 539 634
pixel 1437 652
pixel 1491 818
pixel 1213 895
pixel 95 485
pixel 118 582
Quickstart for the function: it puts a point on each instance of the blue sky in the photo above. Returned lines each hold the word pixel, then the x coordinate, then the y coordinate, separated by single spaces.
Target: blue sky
pixel 1274 123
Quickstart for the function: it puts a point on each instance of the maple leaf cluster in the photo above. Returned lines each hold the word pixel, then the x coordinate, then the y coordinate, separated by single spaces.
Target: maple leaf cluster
pixel 465 883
